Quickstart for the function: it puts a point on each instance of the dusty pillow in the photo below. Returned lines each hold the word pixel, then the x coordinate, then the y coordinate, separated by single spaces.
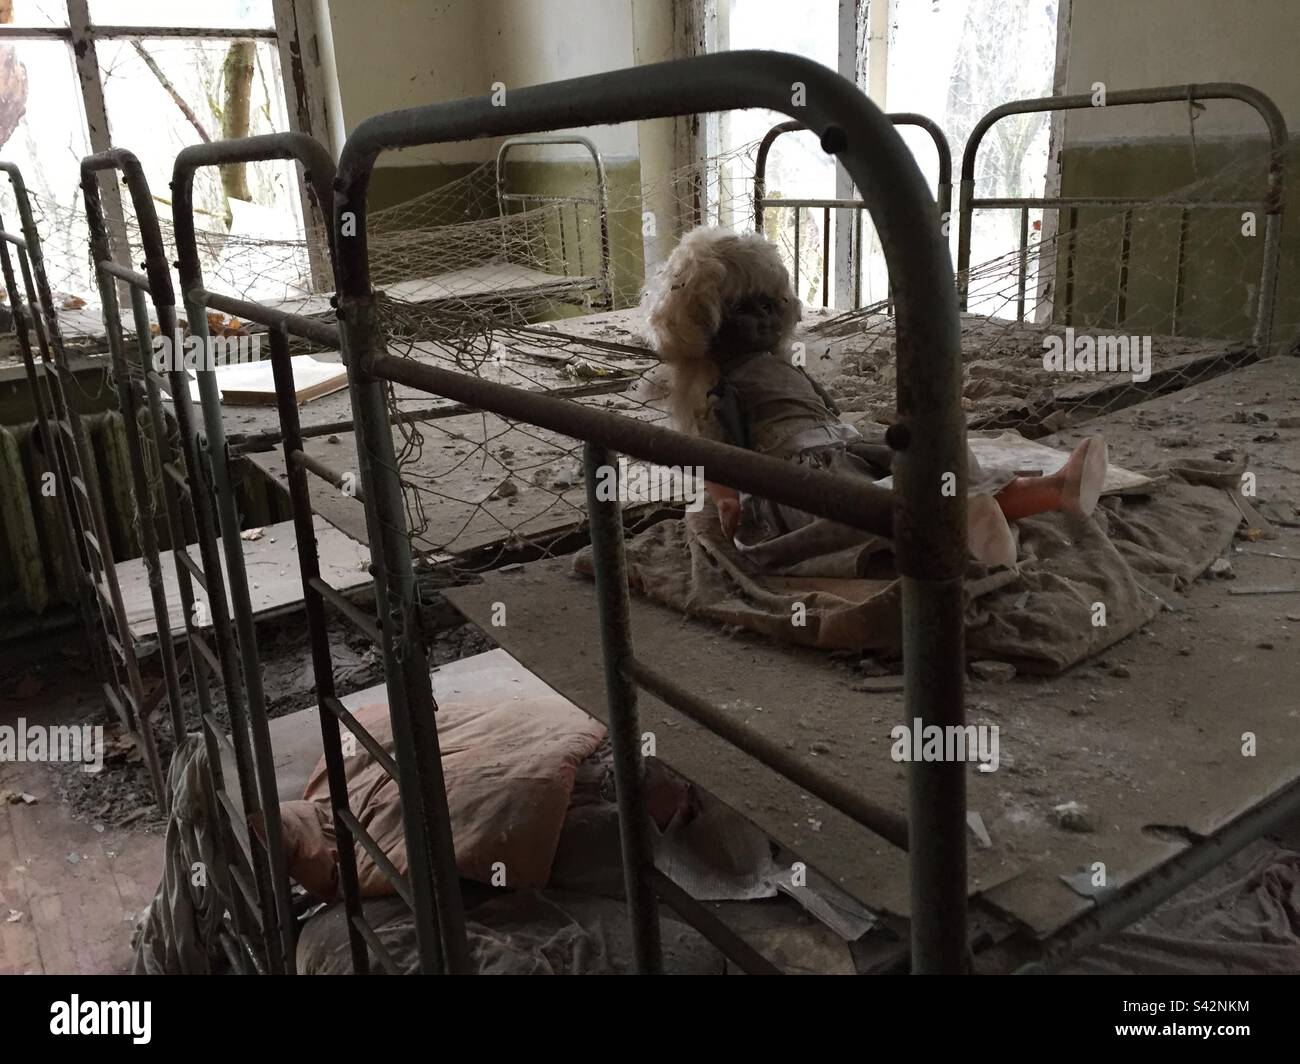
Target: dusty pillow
pixel 509 769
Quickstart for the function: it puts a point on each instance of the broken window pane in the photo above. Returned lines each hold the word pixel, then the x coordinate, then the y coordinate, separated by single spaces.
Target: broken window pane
pixel 164 94
pixel 42 130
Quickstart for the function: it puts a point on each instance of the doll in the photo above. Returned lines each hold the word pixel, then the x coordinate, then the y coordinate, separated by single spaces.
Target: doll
pixel 721 314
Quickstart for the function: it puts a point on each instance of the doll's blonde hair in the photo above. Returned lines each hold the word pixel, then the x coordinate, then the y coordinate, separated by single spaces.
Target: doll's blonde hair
pixel 683 303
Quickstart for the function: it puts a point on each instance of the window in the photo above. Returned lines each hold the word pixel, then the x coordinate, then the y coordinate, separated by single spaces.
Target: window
pixel 950 60
pixel 78 76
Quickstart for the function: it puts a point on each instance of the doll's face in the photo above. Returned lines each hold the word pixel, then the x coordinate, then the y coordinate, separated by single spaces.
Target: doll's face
pixel 751 323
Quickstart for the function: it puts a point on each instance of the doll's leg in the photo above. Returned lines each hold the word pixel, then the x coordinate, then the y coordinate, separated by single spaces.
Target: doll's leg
pixel 1074 489
pixel 988 535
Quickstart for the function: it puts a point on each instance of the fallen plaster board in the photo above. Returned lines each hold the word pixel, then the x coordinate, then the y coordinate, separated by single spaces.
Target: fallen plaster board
pixel 275 583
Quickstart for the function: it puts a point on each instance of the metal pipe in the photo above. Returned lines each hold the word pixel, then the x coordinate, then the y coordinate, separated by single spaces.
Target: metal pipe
pixel 324 333
pixel 304 532
pixel 439 912
pixel 326 473
pixel 614 618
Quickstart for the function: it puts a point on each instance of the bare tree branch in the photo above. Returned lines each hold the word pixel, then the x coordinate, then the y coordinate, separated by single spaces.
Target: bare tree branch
pixel 185 108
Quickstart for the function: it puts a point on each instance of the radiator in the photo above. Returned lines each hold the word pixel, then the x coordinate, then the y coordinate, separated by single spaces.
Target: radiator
pixel 36 566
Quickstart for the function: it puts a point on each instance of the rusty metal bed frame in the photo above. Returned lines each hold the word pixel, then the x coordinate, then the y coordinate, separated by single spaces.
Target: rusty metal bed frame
pixel 926 525
pixel 1270 203
pixel 927 528
pixel 83 522
pixel 943 195
pixel 598 201
pixel 417 888
pixel 254 861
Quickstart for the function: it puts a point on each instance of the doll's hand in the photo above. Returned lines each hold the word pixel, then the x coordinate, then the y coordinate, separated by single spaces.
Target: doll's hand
pixel 727 501
pixel 729 517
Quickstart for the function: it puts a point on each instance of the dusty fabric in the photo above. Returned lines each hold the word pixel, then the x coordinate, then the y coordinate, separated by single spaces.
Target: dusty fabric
pixel 848 595
pixel 1243 918
pixel 767 404
pixel 178 932
pixel 526 933
pixel 1127 548
pixel 509 770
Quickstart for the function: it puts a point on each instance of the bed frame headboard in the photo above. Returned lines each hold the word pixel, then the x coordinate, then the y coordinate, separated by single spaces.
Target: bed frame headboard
pixel 596 200
pixel 943 194
pixel 927 527
pixel 1270 202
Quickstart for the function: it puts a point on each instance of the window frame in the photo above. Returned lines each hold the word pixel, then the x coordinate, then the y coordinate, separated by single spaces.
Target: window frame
pixel 295 33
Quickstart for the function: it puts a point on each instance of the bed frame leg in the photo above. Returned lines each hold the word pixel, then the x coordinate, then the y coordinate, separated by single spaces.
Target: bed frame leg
pixel 614 618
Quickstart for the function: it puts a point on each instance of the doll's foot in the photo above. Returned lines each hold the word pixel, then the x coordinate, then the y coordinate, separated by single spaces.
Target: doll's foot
pixel 988 535
pixel 1085 475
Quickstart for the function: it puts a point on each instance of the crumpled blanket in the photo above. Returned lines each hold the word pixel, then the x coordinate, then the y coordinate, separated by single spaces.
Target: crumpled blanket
pixel 1243 918
pixel 1041 616
pixel 177 934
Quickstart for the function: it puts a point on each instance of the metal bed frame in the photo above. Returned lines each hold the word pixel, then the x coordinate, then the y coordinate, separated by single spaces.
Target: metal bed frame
pixel 927 527
pixel 1271 203
pixel 417 889
pixel 260 909
pixel 943 195
pixel 83 521
pixel 599 202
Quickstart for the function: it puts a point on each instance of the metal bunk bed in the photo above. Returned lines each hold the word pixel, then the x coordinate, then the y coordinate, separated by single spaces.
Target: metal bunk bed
pixel 926 525
pixel 260 906
pixel 84 524
pixel 928 529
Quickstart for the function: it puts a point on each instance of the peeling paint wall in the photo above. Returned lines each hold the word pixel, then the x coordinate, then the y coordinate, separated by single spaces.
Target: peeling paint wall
pixel 391 54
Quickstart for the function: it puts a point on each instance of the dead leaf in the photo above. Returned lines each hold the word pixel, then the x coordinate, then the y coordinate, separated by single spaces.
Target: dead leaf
pixel 252 534
pixel 73 303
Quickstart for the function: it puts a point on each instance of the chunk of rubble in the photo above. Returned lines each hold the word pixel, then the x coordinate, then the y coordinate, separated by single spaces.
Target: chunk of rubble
pixel 1072 816
pixel 993 671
